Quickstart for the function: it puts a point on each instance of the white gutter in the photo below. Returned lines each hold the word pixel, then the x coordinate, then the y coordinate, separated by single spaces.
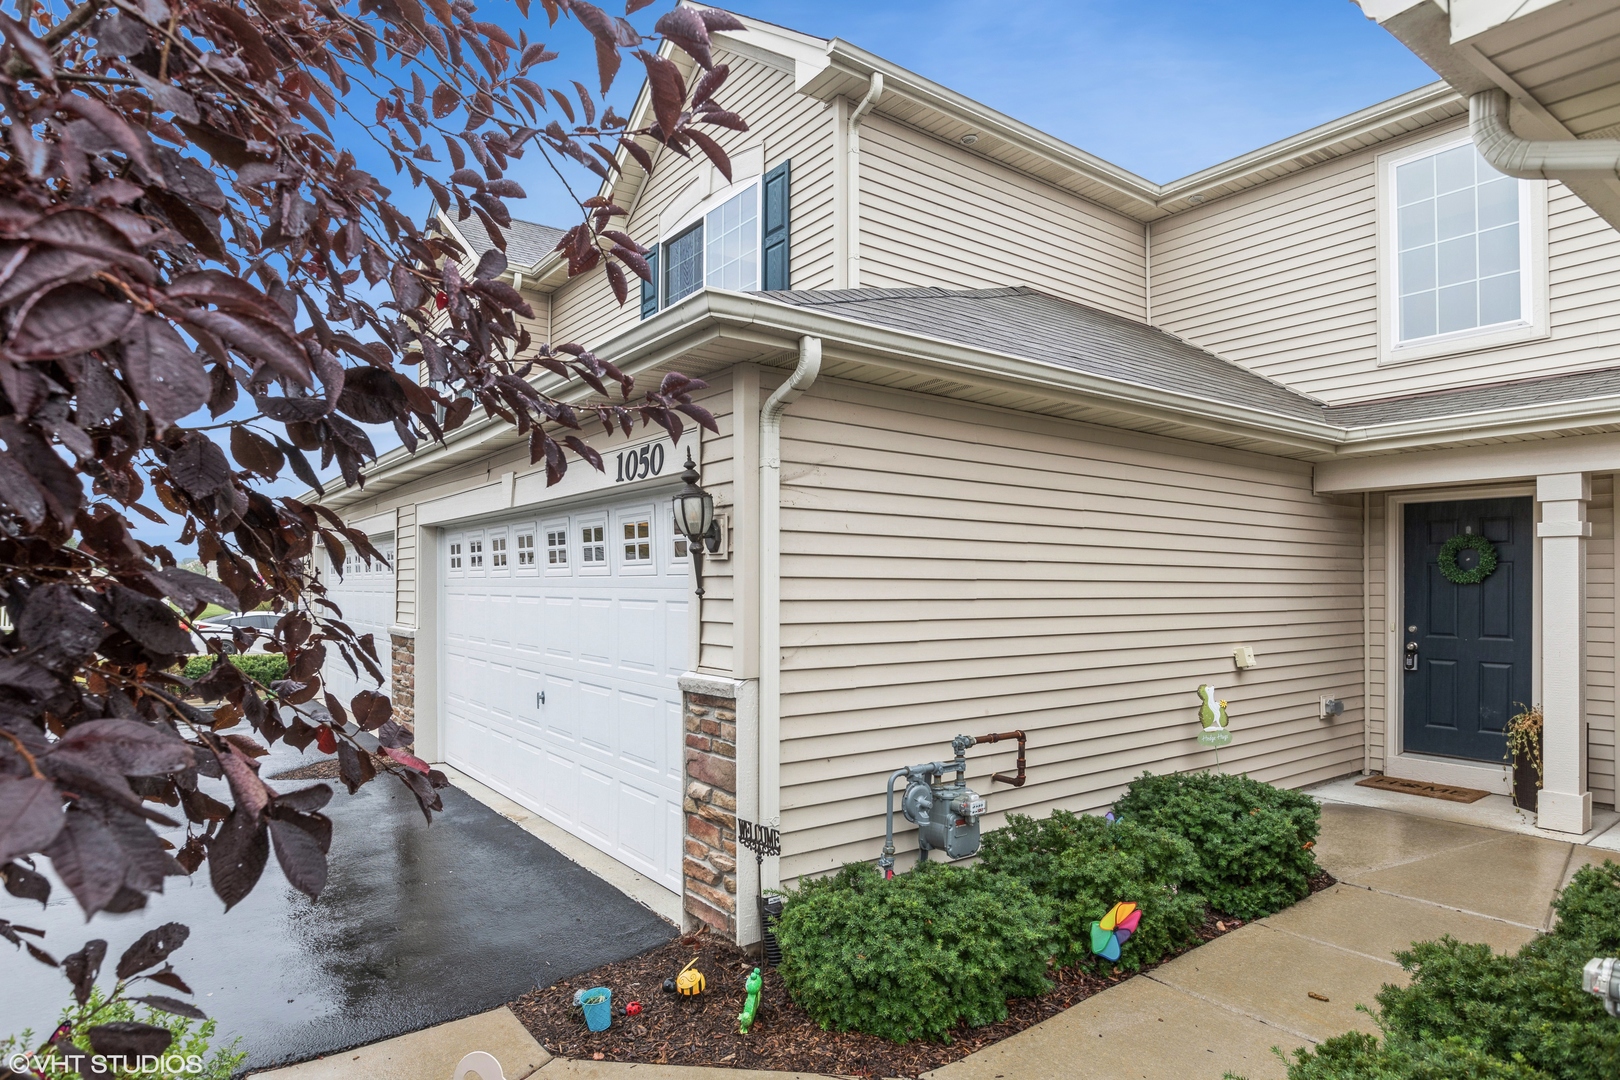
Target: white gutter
pixel 874 90
pixel 770 583
pixel 1536 159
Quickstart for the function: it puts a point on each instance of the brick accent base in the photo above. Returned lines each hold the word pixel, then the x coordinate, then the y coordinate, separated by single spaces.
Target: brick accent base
pixel 403 678
pixel 709 865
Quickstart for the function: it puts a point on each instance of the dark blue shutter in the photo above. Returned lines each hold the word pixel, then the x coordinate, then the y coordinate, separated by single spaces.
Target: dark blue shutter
pixel 649 289
pixel 776 227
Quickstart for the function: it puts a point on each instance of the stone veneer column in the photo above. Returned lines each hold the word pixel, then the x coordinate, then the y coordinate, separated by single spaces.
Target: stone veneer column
pixel 709 862
pixel 402 679
pixel 1565 804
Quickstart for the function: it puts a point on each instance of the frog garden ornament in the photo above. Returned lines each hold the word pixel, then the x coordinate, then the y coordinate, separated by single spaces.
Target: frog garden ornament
pixel 1212 718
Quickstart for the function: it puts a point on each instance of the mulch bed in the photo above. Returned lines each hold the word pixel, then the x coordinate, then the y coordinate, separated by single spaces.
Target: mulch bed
pixel 675 1030
pixel 325 769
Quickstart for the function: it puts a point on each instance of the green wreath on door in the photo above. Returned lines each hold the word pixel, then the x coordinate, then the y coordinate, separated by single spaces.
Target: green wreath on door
pixel 1455 546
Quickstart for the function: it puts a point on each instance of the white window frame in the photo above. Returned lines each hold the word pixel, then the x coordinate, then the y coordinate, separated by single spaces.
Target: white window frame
pixel 564 526
pixel 455 548
pixel 1533 324
pixel 526 531
pixel 635 515
pixel 679 225
pixel 476 563
pixel 597 520
pixel 498 547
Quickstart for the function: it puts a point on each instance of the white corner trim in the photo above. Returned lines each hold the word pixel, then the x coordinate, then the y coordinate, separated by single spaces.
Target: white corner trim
pixel 1565 528
pixel 697 682
pixel 400 630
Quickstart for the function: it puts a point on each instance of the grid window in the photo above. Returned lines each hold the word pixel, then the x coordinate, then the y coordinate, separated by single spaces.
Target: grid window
pixel 683 264
pixel 592 546
pixel 556 547
pixel 1457 230
pixel 680 546
pixel 475 554
pixel 525 549
pixel 455 555
pixel 497 551
pixel 731 250
pixel 638 541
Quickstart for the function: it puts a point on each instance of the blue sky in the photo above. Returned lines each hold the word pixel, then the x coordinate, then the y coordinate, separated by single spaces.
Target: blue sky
pixel 1161 89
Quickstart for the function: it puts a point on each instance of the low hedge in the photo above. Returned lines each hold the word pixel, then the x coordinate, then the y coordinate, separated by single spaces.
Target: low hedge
pixel 1253 840
pixel 1469 1013
pixel 912 957
pixel 262 668
pixel 1083 865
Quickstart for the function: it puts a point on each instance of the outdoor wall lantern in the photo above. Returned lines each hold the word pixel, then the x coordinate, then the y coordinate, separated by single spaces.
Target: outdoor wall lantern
pixel 694 517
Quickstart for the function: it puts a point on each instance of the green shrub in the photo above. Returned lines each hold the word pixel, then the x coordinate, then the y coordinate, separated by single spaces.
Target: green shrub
pixel 1253 840
pixel 912 957
pixel 1083 865
pixel 1471 1013
pixel 191 1039
pixel 262 668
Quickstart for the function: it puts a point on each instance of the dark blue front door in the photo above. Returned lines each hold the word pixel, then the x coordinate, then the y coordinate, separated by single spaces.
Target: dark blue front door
pixel 1466 648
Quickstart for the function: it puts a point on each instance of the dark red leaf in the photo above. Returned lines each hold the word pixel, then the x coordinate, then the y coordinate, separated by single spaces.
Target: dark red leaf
pixel 82 967
pixel 686 29
pixel 127 1038
pixel 88 860
pixel 169 378
pixel 151 948
pixel 668 89
pixel 171 1005
pixel 30 816
pixel 70 319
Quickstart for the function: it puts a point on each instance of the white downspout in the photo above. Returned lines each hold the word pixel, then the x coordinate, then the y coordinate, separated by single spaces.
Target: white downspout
pixel 1535 159
pixel 770 586
pixel 874 90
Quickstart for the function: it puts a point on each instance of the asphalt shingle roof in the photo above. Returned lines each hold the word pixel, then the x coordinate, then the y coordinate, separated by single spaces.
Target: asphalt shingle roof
pixel 526 242
pixel 1022 322
pixel 1031 325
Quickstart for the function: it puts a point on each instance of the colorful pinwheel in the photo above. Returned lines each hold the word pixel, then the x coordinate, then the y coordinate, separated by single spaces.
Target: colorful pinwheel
pixel 1114 929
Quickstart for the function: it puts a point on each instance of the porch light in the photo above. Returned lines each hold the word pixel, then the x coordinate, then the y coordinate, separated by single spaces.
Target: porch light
pixel 694 518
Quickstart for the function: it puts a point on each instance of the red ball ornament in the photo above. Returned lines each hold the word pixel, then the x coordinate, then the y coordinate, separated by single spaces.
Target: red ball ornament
pixel 633 1009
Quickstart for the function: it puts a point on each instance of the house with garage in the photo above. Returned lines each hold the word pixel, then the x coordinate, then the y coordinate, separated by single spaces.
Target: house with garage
pixel 1011 438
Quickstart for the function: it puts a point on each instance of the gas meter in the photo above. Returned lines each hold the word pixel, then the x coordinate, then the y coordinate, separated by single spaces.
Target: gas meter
pixel 946 812
pixel 1602 979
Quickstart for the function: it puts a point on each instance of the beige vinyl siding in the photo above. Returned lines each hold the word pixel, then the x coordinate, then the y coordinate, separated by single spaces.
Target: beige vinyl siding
pixel 789 126
pixel 1284 279
pixel 936 214
pixel 1600 706
pixel 951 569
pixel 405 565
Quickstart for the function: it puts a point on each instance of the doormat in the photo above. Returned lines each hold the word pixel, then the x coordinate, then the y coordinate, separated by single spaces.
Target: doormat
pixel 1427 790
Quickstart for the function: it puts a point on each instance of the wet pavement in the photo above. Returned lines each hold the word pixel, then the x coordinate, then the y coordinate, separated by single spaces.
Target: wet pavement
pixel 417 926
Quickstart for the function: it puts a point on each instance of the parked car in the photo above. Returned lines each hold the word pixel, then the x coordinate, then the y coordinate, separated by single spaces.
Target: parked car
pixel 221 628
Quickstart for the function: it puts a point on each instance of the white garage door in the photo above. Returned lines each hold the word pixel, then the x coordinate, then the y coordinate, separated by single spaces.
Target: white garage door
pixel 564 638
pixel 366 595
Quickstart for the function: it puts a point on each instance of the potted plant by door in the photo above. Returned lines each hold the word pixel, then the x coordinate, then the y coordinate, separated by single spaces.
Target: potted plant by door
pixel 1524 756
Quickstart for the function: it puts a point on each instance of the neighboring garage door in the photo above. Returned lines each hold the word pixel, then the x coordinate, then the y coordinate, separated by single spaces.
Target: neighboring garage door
pixel 366 595
pixel 564 637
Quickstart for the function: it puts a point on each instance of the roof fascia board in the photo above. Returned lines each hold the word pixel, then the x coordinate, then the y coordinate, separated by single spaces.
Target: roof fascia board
pixel 846 60
pixel 1325 137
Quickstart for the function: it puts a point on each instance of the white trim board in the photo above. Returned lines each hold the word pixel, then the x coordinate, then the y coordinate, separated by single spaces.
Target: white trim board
pixel 1470 464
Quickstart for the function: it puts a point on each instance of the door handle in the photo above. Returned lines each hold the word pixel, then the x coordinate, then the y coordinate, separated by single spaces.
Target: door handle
pixel 1411 661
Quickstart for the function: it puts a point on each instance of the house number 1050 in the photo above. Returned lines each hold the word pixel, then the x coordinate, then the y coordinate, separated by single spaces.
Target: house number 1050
pixel 638 464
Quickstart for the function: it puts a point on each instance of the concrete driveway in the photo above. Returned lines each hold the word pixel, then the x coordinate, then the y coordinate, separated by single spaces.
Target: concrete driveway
pixel 418 925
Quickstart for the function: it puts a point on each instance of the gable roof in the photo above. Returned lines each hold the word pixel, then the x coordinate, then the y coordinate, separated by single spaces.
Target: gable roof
pixel 527 242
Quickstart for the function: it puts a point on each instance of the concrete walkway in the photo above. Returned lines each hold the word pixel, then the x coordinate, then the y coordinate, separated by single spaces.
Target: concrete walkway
pixel 1288 981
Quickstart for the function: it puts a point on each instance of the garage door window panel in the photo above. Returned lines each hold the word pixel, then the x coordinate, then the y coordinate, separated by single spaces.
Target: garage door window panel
pixel 593 546
pixel 499 553
pixel 475 553
pixel 456 548
pixel 525 554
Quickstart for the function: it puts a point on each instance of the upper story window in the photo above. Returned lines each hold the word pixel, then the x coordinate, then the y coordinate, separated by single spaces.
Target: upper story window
pixel 736 238
pixel 683 264
pixel 1458 231
pixel 1464 253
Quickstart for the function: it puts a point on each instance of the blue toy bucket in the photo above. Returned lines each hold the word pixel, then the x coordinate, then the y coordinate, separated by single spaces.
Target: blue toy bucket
pixel 598 1015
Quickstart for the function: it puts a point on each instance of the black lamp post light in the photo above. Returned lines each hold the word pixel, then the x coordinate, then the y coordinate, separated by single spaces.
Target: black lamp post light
pixel 694 517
